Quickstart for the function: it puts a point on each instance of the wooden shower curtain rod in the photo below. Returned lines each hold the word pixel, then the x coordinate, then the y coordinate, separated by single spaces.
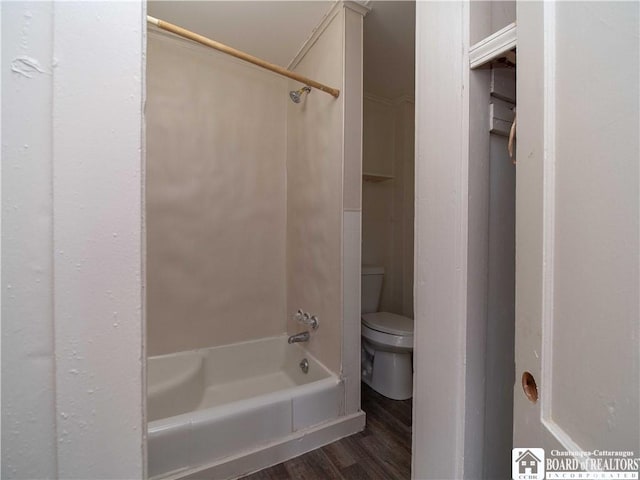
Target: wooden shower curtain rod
pixel 183 32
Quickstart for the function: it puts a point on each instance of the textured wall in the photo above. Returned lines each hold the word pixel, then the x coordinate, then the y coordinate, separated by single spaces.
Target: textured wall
pixel 216 141
pixel 314 197
pixel 72 252
pixel 28 355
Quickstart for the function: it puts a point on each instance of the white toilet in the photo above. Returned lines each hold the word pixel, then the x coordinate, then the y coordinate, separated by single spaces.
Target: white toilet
pixel 387 342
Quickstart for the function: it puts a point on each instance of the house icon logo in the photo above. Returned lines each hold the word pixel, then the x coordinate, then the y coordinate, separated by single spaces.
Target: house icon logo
pixel 527 463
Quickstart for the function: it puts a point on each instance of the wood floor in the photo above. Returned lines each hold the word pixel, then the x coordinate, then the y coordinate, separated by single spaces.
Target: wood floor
pixel 381 451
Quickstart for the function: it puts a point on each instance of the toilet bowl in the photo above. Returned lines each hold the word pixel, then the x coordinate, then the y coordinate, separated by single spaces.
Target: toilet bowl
pixel 387 342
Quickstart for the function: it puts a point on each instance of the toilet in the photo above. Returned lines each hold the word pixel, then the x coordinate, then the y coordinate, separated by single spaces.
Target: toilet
pixel 387 342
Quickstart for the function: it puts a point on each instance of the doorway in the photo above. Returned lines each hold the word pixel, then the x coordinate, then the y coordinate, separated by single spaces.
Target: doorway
pixel 464 243
pixel 388 196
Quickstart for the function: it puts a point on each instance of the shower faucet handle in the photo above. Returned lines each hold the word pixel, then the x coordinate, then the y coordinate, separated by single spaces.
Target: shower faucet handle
pixel 313 322
pixel 304 317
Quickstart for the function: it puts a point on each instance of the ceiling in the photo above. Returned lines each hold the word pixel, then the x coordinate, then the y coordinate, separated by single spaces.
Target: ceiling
pixel 276 30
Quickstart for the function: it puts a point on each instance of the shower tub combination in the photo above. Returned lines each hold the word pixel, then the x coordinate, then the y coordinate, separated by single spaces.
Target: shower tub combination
pixel 234 409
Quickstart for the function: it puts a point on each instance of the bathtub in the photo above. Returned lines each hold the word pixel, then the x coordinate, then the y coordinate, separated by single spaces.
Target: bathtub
pixel 217 406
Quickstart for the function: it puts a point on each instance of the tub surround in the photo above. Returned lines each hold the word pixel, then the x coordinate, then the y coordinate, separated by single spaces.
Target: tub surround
pixel 215 198
pixel 245 195
pixel 314 196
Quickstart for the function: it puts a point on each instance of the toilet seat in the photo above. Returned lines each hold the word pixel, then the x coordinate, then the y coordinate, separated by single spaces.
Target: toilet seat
pixel 387 341
pixel 389 323
pixel 388 331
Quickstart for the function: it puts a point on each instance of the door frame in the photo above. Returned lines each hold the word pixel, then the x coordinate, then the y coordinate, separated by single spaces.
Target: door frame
pixel 451 246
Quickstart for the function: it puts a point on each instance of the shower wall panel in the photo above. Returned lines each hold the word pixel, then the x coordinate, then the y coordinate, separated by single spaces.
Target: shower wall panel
pixel 315 197
pixel 215 198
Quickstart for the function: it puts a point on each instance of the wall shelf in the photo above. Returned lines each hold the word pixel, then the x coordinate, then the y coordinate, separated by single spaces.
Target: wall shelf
pixel 375 177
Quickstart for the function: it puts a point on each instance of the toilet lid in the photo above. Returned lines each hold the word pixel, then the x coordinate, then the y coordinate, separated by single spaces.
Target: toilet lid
pixel 389 323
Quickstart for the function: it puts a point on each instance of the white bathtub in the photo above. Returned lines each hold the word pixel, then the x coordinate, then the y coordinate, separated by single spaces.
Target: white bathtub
pixel 208 405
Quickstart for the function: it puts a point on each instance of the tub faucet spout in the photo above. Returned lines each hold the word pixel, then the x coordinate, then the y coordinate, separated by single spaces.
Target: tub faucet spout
pixel 299 337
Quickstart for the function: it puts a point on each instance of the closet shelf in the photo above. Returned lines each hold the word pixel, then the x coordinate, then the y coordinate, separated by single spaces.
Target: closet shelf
pixel 375 177
pixel 494 47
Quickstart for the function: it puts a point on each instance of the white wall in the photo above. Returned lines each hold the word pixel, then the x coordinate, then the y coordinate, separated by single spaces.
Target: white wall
pixel 72 362
pixel 352 205
pixel 441 259
pixel 404 204
pixel 387 221
pixel 28 354
pixel 216 198
pixel 378 141
pixel 490 16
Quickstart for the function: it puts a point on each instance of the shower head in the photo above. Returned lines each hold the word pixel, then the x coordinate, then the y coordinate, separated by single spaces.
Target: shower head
pixel 296 95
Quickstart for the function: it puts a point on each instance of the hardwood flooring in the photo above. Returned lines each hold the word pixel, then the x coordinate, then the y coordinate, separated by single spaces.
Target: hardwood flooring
pixel 381 451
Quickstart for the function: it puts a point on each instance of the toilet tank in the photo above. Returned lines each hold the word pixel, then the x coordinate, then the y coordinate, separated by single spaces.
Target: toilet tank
pixel 371 287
